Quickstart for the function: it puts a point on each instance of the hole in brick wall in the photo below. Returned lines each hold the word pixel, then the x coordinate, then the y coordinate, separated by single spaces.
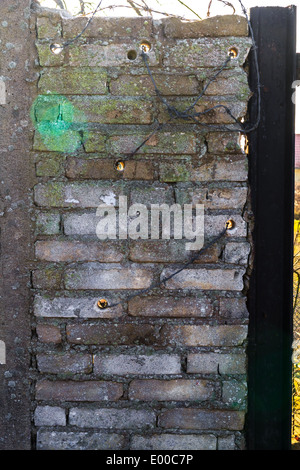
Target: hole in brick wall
pixel 145 46
pixel 233 52
pixel 132 55
pixel 243 143
pixel 56 49
pixel 230 224
pixel 120 166
pixel 102 303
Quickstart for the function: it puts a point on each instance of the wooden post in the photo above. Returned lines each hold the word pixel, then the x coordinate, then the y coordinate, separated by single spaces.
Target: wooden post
pixel 271 161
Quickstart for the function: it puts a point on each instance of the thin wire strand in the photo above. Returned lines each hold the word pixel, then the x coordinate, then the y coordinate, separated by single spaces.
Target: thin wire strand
pixel 67 43
pixel 187 115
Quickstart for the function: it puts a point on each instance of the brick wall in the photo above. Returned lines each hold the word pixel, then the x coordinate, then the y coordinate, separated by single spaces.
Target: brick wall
pixel 167 369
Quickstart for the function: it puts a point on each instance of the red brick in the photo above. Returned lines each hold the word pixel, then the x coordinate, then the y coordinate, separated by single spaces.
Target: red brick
pixel 192 418
pixel 79 168
pixel 48 333
pixel 111 334
pixel 69 390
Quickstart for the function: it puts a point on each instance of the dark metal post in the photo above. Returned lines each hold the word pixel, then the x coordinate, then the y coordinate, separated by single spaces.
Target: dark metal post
pixel 271 161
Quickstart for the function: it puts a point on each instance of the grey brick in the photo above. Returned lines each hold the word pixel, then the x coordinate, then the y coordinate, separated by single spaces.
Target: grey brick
pixel 48 224
pixel 124 364
pixel 205 279
pixel 70 307
pixel 234 393
pixel 237 253
pixel 111 418
pixel 49 416
pixel 58 440
pixel 213 363
pixel 174 442
pixel 107 276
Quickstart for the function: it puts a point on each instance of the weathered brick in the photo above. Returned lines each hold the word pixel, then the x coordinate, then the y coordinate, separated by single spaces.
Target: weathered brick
pixel 166 390
pixel 151 306
pixel 226 443
pixel 48 28
pixel 207 106
pixel 205 279
pixel 84 194
pixel 98 54
pixel 47 278
pixel 207 168
pixel 78 168
pixel 216 198
pixel 46 57
pixel 64 363
pixel 214 224
pixel 233 307
pixel 67 142
pixel 173 251
pixel 220 25
pixel 109 110
pixel 230 82
pixel 192 418
pixel 102 27
pixel 205 52
pixel 216 363
pixel 69 390
pixel 70 307
pixel 111 418
pixel 112 334
pixel 237 253
pixel 49 416
pixel 48 333
pixel 80 224
pixel 160 143
pixel 63 440
pixel 223 142
pixel 204 335
pixel 94 141
pixel 50 165
pixel 47 223
pixel 174 442
pixel 141 85
pixel 51 250
pixel 73 81
pixel 123 364
pixel 152 194
pixel 234 393
pixel 105 276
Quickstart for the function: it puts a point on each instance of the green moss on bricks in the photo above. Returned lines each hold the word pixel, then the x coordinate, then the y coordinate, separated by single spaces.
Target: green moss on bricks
pixel 172 173
pixel 73 80
pixel 54 194
pixel 50 166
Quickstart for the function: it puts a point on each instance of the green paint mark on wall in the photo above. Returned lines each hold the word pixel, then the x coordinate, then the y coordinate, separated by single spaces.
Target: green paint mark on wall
pixel 53 117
